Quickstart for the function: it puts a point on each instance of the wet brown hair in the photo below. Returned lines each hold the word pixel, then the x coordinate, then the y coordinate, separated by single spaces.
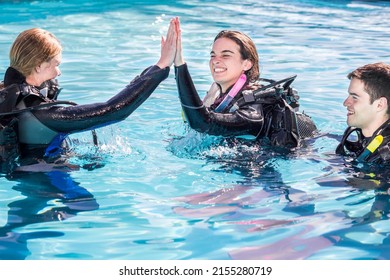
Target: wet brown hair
pixel 247 50
pixel 376 80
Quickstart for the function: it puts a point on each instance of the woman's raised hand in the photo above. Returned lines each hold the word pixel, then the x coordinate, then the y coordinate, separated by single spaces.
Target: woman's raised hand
pixel 179 60
pixel 168 46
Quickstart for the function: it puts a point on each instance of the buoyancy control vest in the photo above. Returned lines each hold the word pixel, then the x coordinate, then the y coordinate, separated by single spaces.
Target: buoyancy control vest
pixel 278 103
pixel 374 149
pixel 15 99
pixel 270 93
pixel 8 125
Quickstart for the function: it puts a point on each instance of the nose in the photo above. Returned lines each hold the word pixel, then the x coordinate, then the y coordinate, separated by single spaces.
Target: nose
pixel 347 102
pixel 213 63
pixel 59 72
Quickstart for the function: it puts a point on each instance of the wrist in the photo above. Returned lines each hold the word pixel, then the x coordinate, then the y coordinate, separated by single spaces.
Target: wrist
pixel 179 62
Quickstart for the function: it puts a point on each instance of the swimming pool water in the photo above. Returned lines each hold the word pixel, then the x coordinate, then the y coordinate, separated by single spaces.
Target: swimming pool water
pixel 155 189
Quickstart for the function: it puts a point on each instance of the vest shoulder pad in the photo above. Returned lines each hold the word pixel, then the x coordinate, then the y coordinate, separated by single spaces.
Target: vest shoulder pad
pixel 9 98
pixel 271 92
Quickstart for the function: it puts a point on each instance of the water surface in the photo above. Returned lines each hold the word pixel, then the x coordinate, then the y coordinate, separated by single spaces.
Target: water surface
pixel 156 189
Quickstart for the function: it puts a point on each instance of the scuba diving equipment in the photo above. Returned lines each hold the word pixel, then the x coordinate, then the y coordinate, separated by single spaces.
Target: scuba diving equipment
pixel 281 101
pixel 232 93
pixel 374 149
pixel 268 117
pixel 351 142
pixel 268 94
pixel 374 144
pixel 10 97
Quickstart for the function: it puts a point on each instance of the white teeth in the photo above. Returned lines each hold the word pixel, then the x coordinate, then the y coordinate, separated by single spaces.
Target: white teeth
pixel 219 70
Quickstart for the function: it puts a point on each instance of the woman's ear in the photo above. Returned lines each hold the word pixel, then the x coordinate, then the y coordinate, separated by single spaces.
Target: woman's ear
pixel 247 64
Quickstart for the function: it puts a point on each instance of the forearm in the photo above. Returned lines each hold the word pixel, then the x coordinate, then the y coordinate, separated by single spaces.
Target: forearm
pixel 84 117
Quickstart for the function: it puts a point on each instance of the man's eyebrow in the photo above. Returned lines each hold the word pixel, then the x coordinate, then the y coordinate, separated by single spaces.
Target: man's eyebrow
pixel 353 94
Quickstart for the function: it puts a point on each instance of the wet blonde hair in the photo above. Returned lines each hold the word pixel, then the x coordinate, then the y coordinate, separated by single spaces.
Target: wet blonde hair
pixel 31 48
pixel 247 50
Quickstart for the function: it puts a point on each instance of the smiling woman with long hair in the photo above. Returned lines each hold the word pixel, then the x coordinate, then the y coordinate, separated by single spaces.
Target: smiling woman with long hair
pixel 237 104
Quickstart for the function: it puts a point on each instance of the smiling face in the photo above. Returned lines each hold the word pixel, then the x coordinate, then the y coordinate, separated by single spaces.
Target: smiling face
pixel 226 63
pixel 361 112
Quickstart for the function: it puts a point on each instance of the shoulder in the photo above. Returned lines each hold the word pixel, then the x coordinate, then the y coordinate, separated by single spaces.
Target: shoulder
pixel 9 97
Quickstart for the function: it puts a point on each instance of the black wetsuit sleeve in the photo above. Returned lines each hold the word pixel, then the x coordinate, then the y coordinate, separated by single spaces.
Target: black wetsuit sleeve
pixel 246 120
pixel 85 117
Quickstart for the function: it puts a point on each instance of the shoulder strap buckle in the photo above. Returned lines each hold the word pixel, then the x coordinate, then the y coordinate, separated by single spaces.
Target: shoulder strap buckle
pixel 248 96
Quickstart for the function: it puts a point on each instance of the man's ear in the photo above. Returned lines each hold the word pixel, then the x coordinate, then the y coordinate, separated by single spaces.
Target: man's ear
pixel 383 104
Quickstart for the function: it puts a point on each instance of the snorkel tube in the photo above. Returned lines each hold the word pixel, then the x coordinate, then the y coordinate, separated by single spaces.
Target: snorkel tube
pixel 232 93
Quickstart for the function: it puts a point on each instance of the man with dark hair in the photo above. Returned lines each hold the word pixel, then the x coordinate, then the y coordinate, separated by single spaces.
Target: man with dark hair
pixel 367 139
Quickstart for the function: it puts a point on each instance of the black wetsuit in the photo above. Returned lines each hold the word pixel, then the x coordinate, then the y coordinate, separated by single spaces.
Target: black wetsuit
pixel 41 131
pixel 273 119
pixel 355 147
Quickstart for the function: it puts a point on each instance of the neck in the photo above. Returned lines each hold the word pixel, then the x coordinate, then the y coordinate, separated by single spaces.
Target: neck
pixel 238 84
pixel 225 87
pixel 369 131
pixel 33 80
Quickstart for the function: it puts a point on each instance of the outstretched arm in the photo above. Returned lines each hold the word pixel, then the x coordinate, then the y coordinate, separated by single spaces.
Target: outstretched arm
pixel 85 117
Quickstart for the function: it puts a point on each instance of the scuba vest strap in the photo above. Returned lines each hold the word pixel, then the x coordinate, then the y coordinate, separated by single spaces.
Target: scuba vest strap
pixel 378 148
pixel 371 148
pixel 248 95
pixel 284 130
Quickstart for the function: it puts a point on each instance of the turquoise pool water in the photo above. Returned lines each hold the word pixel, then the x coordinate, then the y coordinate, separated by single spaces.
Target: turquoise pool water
pixel 157 190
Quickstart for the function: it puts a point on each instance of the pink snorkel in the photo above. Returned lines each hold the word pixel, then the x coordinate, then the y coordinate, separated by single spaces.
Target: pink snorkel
pixel 232 93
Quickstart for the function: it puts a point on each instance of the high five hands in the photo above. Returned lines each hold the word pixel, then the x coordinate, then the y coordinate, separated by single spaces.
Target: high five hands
pixel 171 48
